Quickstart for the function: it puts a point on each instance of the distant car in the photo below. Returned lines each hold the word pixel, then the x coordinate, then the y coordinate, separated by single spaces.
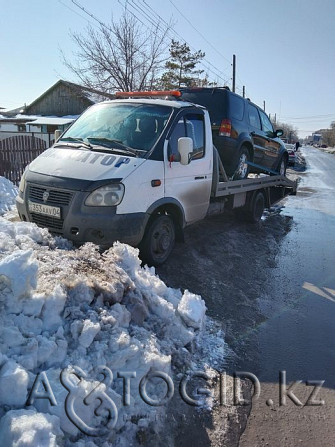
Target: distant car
pixel 291 153
pixel 242 132
pixel 324 146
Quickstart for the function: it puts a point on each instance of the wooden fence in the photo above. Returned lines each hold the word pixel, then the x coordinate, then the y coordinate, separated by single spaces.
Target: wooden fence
pixel 17 151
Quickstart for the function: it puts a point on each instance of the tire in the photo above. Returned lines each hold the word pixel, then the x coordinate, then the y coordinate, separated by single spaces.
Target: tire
pixel 282 165
pixel 257 207
pixel 158 240
pixel 242 169
pixel 254 212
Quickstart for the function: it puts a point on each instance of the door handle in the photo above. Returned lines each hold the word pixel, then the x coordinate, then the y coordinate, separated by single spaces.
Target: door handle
pixel 199 178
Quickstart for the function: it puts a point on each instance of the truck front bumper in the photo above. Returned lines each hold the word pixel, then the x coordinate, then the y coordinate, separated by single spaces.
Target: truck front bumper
pixel 80 223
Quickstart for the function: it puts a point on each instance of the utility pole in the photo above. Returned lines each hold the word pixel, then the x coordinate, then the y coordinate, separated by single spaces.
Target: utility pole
pixel 234 72
pixel 244 91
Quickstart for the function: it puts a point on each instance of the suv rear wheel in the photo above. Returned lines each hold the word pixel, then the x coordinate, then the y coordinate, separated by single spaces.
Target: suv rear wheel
pixel 242 169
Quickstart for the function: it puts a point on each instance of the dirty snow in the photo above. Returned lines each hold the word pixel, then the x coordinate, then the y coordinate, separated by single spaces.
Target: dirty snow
pixel 21 428
pixel 8 192
pixel 69 315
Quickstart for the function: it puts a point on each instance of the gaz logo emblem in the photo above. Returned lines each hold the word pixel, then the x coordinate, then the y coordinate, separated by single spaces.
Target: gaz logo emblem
pixel 45 196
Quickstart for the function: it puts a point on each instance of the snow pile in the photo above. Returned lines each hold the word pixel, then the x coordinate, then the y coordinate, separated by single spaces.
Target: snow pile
pixel 69 316
pixel 29 428
pixel 8 192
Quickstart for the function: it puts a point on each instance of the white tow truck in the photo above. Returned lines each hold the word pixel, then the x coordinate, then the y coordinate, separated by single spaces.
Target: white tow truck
pixel 138 169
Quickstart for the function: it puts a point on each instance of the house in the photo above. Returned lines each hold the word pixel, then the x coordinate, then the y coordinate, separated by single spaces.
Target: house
pixel 49 124
pixel 60 105
pixel 27 131
pixel 14 124
pixel 65 98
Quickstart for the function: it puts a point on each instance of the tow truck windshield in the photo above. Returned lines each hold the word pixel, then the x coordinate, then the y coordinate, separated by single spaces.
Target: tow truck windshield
pixel 120 126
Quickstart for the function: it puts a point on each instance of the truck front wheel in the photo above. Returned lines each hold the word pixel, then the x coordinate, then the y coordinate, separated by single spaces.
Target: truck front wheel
pixel 158 240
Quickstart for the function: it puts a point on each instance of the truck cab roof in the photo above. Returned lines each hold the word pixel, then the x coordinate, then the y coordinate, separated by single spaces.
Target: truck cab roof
pixel 163 102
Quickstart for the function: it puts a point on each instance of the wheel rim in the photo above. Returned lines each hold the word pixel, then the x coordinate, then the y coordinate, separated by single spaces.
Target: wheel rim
pixel 242 166
pixel 162 240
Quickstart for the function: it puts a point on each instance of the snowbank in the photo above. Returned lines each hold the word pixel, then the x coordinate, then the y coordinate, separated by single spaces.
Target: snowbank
pixel 65 315
pixel 23 428
pixel 8 192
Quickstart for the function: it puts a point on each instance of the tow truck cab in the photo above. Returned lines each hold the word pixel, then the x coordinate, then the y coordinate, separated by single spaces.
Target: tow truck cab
pixel 133 170
pixel 139 170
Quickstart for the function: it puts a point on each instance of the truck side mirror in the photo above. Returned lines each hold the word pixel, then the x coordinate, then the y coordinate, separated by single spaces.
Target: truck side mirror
pixel 58 133
pixel 185 149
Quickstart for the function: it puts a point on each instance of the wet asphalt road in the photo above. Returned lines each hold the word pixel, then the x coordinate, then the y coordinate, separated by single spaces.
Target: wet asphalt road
pixel 272 287
pixel 298 334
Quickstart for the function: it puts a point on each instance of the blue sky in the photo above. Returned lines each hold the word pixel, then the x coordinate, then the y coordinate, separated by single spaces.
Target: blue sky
pixel 284 49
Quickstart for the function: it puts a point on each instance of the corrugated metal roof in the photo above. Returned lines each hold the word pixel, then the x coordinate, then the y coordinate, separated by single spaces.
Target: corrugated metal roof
pixel 51 121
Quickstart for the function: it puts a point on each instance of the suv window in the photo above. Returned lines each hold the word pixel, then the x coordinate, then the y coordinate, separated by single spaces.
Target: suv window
pixel 254 119
pixel 236 107
pixel 191 125
pixel 266 124
pixel 214 99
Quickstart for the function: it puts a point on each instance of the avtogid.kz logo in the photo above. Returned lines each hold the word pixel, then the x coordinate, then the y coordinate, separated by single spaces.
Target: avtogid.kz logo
pixel 97 399
pixel 89 403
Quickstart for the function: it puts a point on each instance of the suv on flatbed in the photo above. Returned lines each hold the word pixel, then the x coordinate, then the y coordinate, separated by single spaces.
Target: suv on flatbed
pixel 242 132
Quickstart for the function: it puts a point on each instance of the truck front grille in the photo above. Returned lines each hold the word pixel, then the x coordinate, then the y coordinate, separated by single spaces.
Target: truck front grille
pixel 56 197
pixel 48 222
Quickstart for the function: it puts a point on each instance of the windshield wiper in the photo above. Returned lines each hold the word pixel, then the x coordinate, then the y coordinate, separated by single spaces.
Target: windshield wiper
pixel 75 140
pixel 110 143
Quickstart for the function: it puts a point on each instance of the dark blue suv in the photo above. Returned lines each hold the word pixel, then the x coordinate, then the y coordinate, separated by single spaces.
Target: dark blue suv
pixel 242 132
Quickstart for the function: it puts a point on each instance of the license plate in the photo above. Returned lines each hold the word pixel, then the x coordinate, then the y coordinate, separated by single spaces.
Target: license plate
pixel 46 210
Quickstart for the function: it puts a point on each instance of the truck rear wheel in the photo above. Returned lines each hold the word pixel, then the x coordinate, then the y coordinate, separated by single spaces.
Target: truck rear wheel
pixel 254 211
pixel 158 240
pixel 257 207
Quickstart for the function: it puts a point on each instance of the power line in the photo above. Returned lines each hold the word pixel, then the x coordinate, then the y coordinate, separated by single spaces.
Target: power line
pixel 90 14
pixel 205 39
pixel 75 12
pixel 102 24
pixel 144 13
pixel 310 117
pixel 217 73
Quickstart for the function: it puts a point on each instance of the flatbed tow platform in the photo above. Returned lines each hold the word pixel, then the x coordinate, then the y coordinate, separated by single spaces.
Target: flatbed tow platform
pixel 250 196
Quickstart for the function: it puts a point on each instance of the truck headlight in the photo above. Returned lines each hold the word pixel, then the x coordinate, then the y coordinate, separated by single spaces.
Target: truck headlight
pixel 22 184
pixel 110 195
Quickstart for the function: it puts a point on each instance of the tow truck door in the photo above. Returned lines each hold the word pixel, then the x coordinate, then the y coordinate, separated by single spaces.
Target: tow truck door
pixel 189 184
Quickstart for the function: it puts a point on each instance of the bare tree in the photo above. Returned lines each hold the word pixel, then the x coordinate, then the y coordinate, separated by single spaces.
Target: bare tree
pixel 120 56
pixel 328 135
pixel 290 133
